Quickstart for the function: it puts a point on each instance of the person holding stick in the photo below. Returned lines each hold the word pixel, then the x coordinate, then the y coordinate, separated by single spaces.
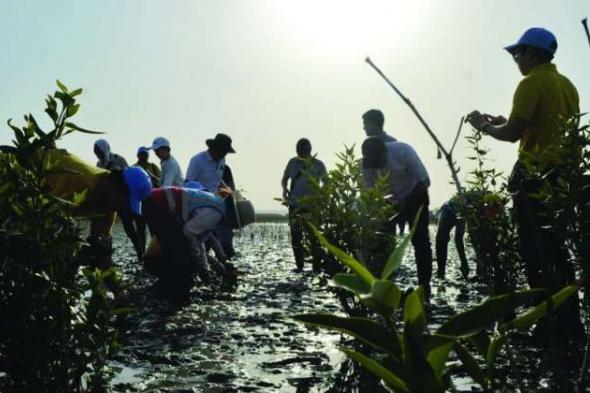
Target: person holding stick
pixel 542 100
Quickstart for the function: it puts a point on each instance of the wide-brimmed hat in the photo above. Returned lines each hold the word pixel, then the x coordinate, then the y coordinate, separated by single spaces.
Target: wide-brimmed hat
pixel 222 142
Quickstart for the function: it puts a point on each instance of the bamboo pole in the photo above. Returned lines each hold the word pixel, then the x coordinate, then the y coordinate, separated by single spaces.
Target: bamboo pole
pixel 585 24
pixel 448 155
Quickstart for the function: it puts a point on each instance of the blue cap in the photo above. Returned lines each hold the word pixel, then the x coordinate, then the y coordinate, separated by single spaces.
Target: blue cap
pixel 139 186
pixel 536 37
pixel 195 185
pixel 143 149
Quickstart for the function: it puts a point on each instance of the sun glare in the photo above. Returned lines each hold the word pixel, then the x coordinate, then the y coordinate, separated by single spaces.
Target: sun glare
pixel 347 27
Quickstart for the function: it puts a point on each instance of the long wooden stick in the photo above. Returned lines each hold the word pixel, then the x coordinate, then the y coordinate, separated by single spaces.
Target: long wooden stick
pixel 448 155
pixel 585 24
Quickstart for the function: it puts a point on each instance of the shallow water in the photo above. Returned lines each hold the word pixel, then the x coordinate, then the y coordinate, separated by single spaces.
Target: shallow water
pixel 241 338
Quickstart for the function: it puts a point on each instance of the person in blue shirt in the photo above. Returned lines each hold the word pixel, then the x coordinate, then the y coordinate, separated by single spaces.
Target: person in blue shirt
pixel 207 166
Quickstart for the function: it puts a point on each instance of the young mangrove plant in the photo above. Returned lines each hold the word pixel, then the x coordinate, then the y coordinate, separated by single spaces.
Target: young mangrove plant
pixel 490 225
pixel 351 215
pixel 403 352
pixel 55 318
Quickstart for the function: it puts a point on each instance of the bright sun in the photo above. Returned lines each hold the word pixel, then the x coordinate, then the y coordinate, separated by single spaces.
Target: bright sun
pixel 346 27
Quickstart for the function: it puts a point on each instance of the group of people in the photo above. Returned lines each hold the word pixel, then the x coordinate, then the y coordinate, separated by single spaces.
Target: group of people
pixel 542 100
pixel 185 215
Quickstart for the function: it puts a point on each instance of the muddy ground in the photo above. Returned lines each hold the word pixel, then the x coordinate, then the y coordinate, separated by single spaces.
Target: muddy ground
pixel 240 338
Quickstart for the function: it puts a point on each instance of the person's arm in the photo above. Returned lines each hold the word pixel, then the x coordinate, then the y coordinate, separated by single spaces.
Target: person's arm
pixel 508 131
pixel 369 177
pixel 284 182
pixel 167 174
pixel 127 221
pixel 524 106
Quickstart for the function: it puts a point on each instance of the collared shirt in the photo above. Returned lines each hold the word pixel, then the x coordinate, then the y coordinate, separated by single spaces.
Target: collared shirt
pixel 171 173
pixel 543 98
pixel 204 169
pixel 297 171
pixel 404 168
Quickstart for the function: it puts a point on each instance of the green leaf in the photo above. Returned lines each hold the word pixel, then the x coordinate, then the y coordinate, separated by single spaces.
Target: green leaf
pixel 76 92
pixel 471 365
pixel 414 317
pixel 72 110
pixel 61 86
pixel 481 317
pixel 527 319
pixel 8 149
pixel 351 282
pixel 389 378
pixel 495 345
pixel 75 127
pixel 438 349
pixel 384 296
pixel 395 259
pixel 364 329
pixel 349 261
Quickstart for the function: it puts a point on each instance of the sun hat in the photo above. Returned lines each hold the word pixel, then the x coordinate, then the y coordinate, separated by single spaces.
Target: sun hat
pixel 221 141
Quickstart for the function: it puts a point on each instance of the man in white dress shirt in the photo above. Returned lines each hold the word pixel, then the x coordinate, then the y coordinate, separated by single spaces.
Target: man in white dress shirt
pixel 409 184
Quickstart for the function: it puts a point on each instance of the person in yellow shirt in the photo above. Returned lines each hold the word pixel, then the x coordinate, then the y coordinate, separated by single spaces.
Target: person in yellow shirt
pixel 99 194
pixel 543 99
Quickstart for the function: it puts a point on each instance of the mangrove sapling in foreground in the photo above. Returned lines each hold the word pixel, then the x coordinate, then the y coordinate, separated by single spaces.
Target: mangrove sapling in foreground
pixel 401 350
pixel 490 225
pixel 349 214
pixel 55 318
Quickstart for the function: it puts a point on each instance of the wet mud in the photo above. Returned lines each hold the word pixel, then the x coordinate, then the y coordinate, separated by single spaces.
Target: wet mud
pixel 240 338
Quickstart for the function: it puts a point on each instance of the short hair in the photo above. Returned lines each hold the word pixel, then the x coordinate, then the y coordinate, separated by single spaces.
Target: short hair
pixel 374 153
pixel 374 116
pixel 303 147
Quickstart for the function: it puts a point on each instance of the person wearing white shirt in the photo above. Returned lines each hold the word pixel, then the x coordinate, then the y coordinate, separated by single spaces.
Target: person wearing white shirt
pixel 409 184
pixel 171 174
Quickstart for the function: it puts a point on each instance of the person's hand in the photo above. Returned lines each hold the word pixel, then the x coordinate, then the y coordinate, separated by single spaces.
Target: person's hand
pixel 476 119
pixel 224 192
pixel 495 120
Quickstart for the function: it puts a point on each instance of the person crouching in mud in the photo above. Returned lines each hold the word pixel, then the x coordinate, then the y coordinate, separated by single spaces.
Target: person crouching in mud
pixel 99 194
pixel 181 219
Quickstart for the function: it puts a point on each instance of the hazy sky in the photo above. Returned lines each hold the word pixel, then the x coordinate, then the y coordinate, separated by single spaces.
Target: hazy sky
pixel 268 72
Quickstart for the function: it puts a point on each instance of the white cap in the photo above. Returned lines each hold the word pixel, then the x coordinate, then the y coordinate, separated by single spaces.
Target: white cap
pixel 160 142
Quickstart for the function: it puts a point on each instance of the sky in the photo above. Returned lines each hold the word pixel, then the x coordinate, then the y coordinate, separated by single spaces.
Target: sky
pixel 268 72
